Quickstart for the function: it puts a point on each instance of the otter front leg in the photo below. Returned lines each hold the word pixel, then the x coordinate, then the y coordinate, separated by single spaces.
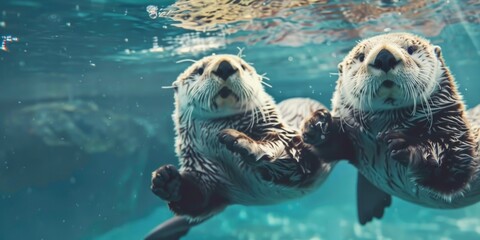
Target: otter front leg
pixel 325 133
pixel 444 166
pixel 252 151
pixel 187 192
pixel 403 147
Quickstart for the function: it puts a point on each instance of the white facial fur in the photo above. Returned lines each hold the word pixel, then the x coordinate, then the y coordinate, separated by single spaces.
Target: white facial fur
pixel 199 88
pixel 416 68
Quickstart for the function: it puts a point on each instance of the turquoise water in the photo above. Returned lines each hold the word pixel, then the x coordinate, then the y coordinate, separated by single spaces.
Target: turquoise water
pixel 84 119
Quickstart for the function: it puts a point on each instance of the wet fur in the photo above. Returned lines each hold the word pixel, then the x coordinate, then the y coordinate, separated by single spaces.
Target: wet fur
pixel 240 153
pixel 421 146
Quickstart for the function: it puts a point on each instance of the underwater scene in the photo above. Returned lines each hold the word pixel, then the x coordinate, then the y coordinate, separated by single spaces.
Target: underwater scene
pixel 86 105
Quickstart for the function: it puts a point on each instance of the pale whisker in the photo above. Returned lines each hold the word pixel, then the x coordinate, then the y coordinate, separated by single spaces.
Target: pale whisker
pixel 266 84
pixel 240 52
pixel 186 60
pixel 169 87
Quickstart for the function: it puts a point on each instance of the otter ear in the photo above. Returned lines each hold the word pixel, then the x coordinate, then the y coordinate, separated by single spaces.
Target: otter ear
pixel 340 68
pixel 438 51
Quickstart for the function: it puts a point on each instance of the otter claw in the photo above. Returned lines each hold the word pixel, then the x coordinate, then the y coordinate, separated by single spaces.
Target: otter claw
pixel 397 145
pixel 228 139
pixel 402 155
pixel 322 125
pixel 317 127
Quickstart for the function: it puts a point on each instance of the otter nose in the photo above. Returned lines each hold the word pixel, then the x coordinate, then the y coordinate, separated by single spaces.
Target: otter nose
pixel 225 70
pixel 385 60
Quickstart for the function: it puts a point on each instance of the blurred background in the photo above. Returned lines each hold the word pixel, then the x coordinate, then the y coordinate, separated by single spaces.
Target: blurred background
pixel 84 120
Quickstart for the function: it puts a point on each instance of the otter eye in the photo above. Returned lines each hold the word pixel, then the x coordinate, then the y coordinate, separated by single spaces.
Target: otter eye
pixel 243 67
pixel 200 70
pixel 411 49
pixel 361 57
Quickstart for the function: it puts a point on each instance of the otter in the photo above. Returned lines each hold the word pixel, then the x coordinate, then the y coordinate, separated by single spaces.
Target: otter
pixel 398 104
pixel 234 145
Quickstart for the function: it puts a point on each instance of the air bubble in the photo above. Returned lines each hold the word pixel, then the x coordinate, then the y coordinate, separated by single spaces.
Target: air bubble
pixel 152 11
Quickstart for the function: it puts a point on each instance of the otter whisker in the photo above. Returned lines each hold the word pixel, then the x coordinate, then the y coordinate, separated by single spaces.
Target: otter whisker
pixel 266 84
pixel 254 117
pixel 207 113
pixel 370 89
pixel 422 102
pixel 262 113
pixel 186 60
pixel 264 77
pixel 169 87
pixel 428 114
pixel 414 110
pixel 251 107
pixel 410 89
pixel 362 104
pixel 240 52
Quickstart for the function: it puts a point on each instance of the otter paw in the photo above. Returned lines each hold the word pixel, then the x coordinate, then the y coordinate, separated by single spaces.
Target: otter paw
pixel 166 182
pixel 317 127
pixel 398 145
pixel 238 142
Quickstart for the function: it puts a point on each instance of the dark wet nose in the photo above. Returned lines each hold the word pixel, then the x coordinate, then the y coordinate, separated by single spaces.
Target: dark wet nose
pixel 225 70
pixel 385 60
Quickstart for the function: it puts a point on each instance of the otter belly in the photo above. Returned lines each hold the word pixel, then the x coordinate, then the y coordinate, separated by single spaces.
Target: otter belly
pixel 252 189
pixel 246 185
pixel 393 178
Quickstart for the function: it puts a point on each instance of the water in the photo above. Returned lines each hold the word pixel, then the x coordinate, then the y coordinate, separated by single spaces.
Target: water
pixel 84 118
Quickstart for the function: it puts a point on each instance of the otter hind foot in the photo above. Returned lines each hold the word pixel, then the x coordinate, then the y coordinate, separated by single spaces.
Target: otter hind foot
pixel 238 142
pixel 316 128
pixel 166 182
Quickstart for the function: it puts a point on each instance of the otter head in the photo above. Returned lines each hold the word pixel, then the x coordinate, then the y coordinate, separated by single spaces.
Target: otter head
pixel 390 71
pixel 218 86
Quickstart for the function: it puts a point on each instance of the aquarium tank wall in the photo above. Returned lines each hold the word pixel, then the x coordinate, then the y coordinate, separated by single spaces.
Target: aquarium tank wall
pixel 84 119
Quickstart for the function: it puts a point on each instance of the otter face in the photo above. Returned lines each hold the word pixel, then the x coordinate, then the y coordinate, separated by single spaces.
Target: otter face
pixel 218 86
pixel 390 71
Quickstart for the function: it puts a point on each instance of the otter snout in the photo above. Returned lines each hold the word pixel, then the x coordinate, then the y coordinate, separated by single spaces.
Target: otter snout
pixel 388 84
pixel 385 61
pixel 224 70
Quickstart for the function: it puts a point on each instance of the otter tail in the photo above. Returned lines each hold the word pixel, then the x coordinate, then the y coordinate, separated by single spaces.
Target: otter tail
pixel 172 229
